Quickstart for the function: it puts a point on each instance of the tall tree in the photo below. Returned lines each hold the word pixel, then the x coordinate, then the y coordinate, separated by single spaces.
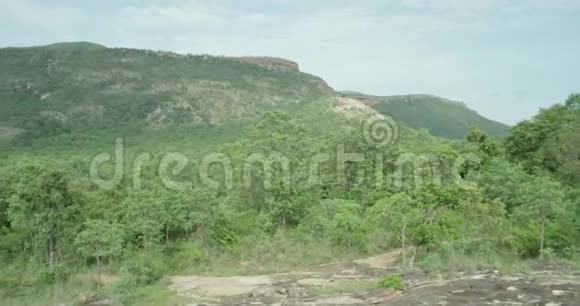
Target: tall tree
pixel 544 201
pixel 144 217
pixel 538 143
pixel 41 204
pixel 99 239
pixel 399 214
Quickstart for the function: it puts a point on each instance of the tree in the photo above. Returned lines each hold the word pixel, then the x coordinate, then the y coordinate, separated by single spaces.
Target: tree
pixel 426 217
pixel 544 200
pixel 401 215
pixel 176 208
pixel 486 144
pixel 569 172
pixel 41 204
pixel 144 216
pixel 100 239
pixel 348 228
pixel 502 180
pixel 537 143
pixel 5 193
pixel 439 217
pixel 573 200
pixel 573 102
pixel 274 158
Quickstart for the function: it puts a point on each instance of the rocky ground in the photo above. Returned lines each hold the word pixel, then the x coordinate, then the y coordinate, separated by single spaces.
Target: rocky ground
pixel 355 283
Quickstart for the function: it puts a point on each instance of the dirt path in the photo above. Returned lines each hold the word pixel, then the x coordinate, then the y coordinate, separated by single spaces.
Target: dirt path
pixel 354 283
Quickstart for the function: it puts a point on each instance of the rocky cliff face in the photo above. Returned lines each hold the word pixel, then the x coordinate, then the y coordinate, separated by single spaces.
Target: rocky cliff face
pixel 268 62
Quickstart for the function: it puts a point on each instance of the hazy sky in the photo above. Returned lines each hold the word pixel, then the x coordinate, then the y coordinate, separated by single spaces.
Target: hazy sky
pixel 505 59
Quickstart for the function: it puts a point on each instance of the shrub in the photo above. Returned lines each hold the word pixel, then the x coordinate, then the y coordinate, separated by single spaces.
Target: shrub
pixel 59 274
pixel 391 281
pixel 142 270
pixel 188 254
pixel 348 228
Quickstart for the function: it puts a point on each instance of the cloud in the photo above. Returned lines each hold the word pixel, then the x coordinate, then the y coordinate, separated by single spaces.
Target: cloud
pixel 31 14
pixel 164 19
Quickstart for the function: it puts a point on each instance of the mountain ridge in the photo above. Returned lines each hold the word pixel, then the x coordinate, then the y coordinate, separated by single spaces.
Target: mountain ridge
pixel 64 87
pixel 69 86
pixel 441 116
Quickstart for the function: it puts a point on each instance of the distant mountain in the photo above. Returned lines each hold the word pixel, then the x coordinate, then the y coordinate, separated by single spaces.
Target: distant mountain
pixel 82 86
pixel 442 117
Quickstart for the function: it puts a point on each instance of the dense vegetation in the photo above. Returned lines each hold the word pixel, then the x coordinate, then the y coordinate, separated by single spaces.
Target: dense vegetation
pixel 448 204
pixel 441 117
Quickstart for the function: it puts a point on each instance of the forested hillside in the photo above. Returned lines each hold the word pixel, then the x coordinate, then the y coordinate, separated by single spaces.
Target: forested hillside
pixel 440 116
pixel 65 87
pixel 69 87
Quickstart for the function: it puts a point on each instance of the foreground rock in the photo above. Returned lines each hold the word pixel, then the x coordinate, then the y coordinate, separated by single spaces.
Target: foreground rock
pixel 495 289
pixel 354 283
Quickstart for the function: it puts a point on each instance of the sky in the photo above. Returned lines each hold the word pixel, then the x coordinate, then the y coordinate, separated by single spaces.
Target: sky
pixel 505 59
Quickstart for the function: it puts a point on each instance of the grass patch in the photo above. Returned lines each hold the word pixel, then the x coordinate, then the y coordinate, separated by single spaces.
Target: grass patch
pixel 153 295
pixel 345 286
pixel 286 250
pixel 454 260
pixel 43 294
